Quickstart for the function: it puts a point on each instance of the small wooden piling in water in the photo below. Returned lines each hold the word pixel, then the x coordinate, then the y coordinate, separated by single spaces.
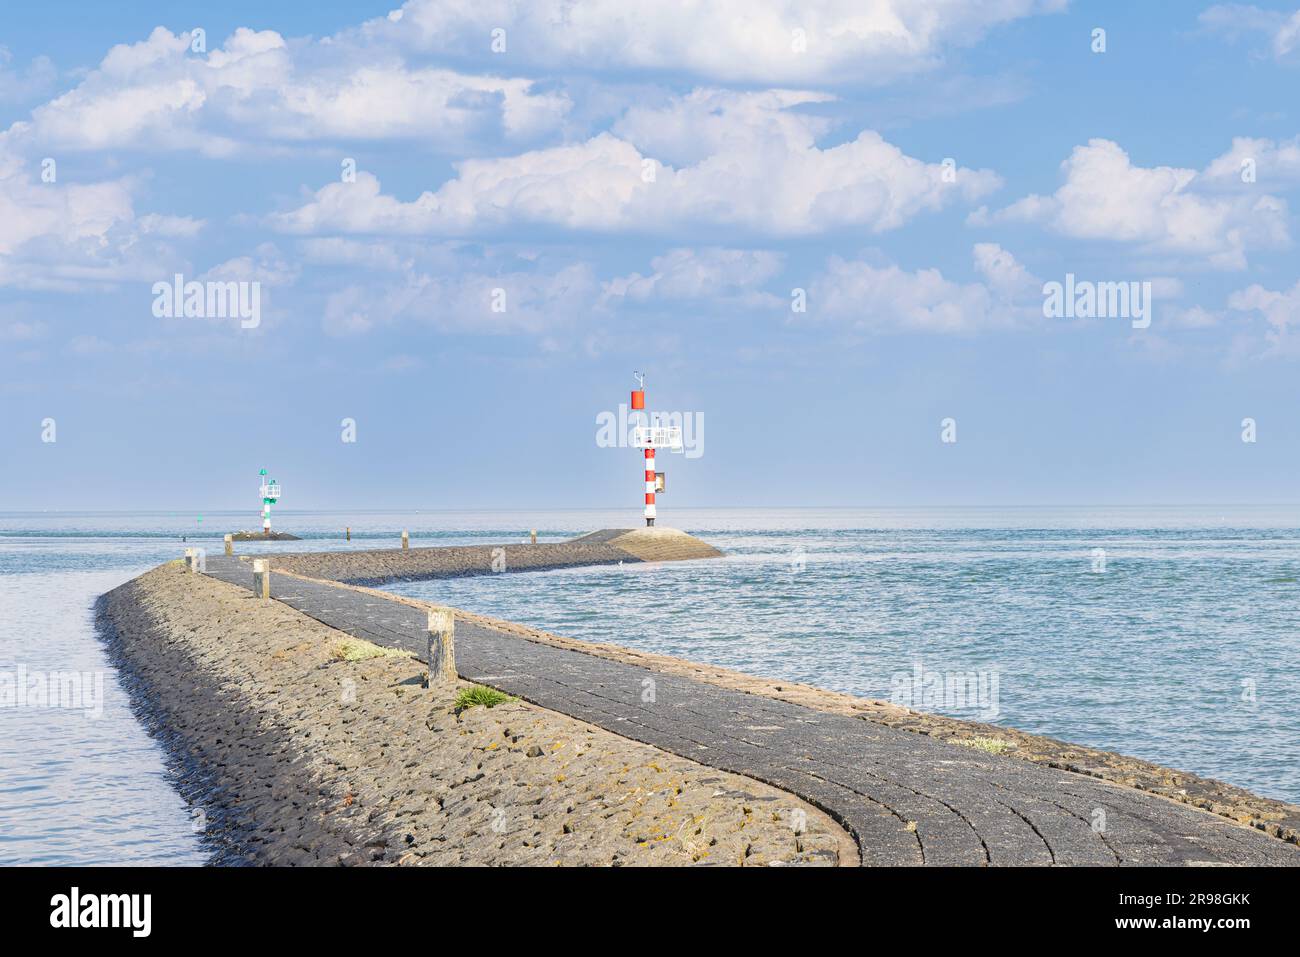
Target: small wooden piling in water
pixel 230 545
pixel 406 540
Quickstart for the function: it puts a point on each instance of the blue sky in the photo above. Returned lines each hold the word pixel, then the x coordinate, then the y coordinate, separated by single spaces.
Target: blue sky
pixel 648 187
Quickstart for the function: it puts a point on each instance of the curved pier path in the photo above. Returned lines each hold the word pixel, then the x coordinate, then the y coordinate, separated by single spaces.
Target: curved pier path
pixel 907 798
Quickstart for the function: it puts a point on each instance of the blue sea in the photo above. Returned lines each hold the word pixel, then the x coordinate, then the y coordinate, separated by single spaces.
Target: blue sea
pixel 1166 633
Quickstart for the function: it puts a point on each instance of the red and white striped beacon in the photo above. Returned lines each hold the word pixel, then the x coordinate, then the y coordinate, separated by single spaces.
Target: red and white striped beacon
pixel 638 405
pixel 650 437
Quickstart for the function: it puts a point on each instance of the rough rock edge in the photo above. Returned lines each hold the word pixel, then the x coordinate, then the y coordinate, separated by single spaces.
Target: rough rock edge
pixel 1276 818
pixel 372 567
pixel 197 784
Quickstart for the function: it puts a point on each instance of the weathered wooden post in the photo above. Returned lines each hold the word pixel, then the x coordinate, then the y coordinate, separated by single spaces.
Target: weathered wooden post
pixel 406 539
pixel 230 545
pixel 533 536
pixel 348 530
pixel 442 648
pixel 261 578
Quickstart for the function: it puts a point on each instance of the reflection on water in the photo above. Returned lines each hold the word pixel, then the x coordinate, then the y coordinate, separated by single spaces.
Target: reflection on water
pixel 82 782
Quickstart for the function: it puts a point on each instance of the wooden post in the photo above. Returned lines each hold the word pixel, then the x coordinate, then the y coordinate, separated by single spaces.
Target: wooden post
pixel 189 559
pixel 261 578
pixel 406 539
pixel 442 648
pixel 230 545
pixel 533 535
pixel 349 532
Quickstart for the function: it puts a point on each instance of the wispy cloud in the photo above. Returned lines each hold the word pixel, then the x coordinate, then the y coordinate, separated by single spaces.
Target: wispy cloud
pixel 1280 310
pixel 1279 29
pixel 880 297
pixel 22 84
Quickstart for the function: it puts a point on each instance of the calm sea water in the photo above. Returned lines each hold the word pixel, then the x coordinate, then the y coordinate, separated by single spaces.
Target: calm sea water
pixel 1176 642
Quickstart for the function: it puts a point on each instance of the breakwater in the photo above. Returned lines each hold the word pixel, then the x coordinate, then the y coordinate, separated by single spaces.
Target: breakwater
pixel 296 744
pixel 906 798
pixel 606 547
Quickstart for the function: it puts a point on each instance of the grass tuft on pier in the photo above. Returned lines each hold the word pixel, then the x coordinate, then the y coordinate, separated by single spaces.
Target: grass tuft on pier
pixel 481 695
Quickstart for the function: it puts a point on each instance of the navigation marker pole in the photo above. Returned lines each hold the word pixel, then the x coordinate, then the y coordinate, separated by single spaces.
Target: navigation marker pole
pixel 638 405
pixel 270 495
pixel 650 438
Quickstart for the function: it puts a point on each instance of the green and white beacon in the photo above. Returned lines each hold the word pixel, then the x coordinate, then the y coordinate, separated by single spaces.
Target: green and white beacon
pixel 270 495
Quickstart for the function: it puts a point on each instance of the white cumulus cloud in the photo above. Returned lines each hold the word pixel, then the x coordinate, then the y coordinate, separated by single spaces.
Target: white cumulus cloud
pixel 762 171
pixel 61 235
pixel 807 42
pixel 1162 209
pixel 257 88
pixel 1257 163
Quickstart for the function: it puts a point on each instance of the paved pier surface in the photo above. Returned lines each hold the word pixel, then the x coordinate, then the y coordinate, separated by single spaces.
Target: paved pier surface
pixel 907 799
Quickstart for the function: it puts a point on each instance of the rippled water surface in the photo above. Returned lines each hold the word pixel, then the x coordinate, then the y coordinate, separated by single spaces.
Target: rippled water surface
pixel 1183 650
